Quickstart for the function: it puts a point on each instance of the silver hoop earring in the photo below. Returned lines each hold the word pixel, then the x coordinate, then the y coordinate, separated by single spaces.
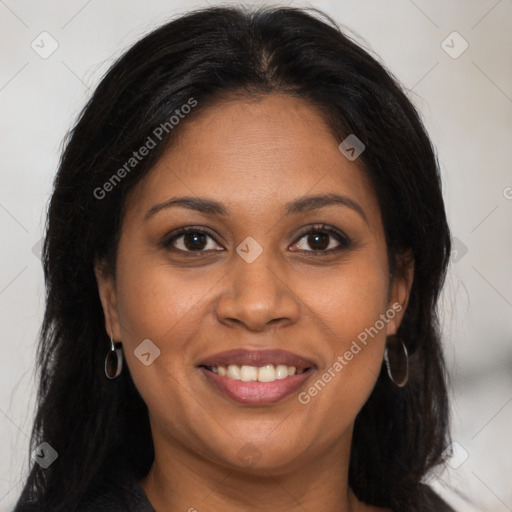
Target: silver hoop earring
pixel 114 360
pixel 397 361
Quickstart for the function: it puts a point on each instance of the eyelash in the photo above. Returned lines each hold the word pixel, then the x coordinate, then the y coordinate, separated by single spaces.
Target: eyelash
pixel 340 237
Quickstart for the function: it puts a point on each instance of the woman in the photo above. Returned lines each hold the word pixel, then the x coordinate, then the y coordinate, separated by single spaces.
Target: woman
pixel 244 251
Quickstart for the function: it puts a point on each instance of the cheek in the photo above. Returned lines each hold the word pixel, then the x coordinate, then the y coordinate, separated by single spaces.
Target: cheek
pixel 155 304
pixel 164 306
pixel 349 299
pixel 155 300
pixel 348 308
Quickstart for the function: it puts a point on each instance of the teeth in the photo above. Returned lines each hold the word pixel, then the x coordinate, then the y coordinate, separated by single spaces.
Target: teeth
pixel 282 371
pixel 234 372
pixel 248 373
pixel 267 373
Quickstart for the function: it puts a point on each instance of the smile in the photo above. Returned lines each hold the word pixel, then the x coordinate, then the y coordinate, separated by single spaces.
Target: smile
pixel 256 377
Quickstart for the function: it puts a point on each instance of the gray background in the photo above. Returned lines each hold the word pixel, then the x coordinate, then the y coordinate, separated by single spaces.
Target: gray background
pixel 466 103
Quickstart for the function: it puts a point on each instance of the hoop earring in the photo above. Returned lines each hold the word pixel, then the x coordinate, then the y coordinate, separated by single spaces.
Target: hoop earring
pixel 114 360
pixel 397 361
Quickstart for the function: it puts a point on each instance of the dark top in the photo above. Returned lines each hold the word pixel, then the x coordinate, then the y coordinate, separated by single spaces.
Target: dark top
pixel 128 496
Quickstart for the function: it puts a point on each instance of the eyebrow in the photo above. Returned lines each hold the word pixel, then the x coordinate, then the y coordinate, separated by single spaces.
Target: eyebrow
pixel 300 205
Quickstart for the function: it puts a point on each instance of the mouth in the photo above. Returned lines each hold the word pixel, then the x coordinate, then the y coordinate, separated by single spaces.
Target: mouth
pixel 256 377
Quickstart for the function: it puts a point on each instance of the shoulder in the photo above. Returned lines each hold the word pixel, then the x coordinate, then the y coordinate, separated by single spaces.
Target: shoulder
pixel 424 500
pixel 427 501
pixel 115 496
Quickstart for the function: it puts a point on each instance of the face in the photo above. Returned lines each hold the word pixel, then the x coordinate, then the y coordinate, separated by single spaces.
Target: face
pixel 295 290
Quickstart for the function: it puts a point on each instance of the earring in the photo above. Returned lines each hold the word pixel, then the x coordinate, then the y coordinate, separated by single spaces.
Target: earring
pixel 396 359
pixel 114 360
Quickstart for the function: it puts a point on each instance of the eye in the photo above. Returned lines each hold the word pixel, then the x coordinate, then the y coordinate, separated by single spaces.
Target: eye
pixel 320 239
pixel 191 240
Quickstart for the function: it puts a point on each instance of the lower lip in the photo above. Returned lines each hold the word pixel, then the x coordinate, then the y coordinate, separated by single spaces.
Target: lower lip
pixel 257 393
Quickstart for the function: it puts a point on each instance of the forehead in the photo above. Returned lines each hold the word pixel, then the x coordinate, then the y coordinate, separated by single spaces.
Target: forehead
pixel 255 154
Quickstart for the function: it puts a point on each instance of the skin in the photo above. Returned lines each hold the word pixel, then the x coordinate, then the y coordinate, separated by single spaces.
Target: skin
pixel 253 156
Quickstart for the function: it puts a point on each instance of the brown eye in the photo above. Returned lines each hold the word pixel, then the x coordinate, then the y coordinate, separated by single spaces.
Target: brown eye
pixel 192 240
pixel 318 241
pixel 322 239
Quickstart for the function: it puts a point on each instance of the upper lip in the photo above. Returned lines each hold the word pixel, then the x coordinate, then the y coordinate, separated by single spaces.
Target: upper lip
pixel 248 357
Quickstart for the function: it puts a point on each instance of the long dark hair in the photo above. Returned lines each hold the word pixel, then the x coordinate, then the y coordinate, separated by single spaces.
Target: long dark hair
pixel 99 427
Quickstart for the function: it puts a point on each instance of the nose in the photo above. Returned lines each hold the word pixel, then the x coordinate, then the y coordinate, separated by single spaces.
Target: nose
pixel 257 295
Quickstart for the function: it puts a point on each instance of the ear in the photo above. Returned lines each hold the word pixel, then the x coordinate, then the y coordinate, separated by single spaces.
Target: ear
pixel 108 296
pixel 400 289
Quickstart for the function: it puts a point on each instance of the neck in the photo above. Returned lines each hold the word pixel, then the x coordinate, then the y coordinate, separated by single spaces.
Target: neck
pixel 181 480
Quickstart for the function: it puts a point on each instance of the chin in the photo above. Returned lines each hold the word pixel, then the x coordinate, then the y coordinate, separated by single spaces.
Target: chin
pixel 260 455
